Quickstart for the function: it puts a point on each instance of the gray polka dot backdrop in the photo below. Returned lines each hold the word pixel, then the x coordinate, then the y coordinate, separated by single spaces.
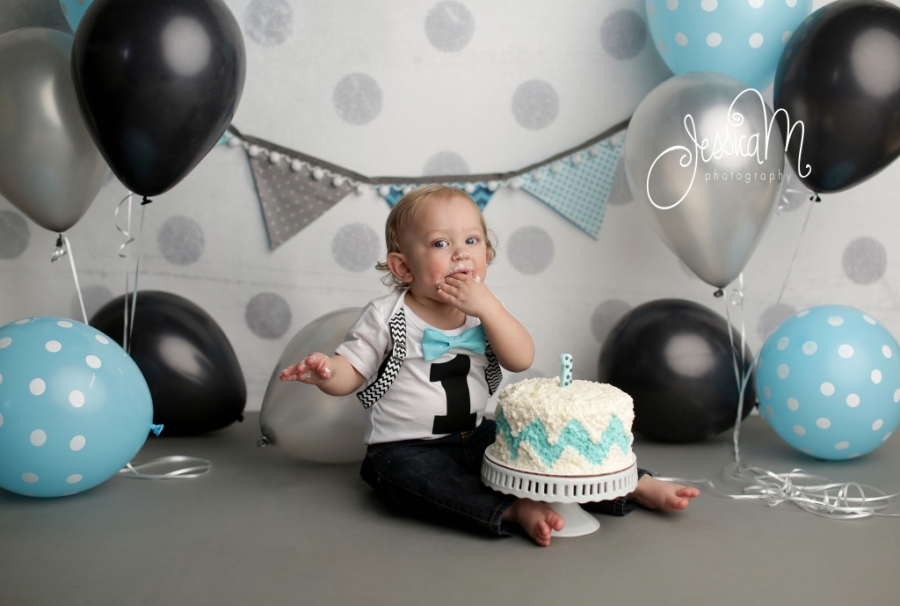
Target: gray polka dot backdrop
pixel 13 234
pixel 268 22
pixel 268 315
pixel 181 240
pixel 266 239
pixel 356 247
pixel 623 34
pixel 865 260
pixel 446 163
pixel 357 99
pixel 535 104
pixel 530 250
pixel 621 193
pixel 449 26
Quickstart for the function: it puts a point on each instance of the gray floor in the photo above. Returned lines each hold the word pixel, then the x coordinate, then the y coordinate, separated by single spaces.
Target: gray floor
pixel 263 528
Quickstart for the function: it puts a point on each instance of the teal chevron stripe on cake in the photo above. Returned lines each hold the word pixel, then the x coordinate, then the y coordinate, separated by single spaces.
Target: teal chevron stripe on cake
pixel 581 429
pixel 574 436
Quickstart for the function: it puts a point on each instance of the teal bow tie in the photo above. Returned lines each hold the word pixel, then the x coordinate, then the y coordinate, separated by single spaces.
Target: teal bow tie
pixel 435 343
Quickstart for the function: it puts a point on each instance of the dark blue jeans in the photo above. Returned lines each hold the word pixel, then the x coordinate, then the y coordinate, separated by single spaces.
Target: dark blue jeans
pixel 440 481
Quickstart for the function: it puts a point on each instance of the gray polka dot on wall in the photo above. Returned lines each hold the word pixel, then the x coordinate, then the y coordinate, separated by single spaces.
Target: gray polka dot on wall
pixel 95 296
pixel 446 163
pixel 535 104
pixel 268 22
pixel 605 317
pixel 355 247
pixel 268 315
pixel 772 318
pixel 620 194
pixel 14 234
pixel 449 26
pixel 181 240
pixel 865 260
pixel 530 250
pixel 623 34
pixel 357 99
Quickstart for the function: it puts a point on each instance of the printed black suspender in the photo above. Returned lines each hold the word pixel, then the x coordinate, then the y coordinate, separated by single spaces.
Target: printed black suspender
pixel 388 372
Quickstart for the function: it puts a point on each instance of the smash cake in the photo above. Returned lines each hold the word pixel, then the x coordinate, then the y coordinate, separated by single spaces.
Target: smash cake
pixel 579 428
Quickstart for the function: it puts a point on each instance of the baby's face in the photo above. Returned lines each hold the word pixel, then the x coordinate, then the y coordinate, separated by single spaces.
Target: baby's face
pixel 445 239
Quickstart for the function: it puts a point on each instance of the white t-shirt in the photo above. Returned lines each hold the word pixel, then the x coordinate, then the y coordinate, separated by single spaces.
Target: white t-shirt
pixel 427 399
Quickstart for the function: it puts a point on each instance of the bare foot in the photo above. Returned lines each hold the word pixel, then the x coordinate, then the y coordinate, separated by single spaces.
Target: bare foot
pixel 658 494
pixel 536 518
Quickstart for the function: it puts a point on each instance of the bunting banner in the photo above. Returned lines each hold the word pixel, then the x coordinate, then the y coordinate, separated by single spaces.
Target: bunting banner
pixel 294 189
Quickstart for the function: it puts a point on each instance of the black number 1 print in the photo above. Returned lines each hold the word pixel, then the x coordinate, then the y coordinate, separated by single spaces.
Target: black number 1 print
pixel 452 377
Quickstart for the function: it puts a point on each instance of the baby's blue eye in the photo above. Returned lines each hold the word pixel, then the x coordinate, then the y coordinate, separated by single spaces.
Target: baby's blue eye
pixel 440 244
pixel 472 240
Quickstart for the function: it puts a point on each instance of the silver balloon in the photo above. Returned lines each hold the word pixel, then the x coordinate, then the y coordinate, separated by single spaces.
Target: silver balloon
pixel 301 420
pixel 49 166
pixel 704 156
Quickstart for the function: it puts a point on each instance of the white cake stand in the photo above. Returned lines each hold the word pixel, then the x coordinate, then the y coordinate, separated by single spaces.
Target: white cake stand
pixel 562 493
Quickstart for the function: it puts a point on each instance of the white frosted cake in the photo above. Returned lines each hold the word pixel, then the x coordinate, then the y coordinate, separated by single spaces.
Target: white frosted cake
pixel 581 429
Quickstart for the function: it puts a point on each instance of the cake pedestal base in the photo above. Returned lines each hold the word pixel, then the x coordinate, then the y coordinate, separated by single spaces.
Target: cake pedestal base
pixel 562 493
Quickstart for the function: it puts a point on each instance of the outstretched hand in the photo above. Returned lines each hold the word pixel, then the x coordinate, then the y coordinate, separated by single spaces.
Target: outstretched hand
pixel 313 369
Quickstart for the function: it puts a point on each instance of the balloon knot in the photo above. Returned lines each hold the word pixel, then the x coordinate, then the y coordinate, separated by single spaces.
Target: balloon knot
pixel 263 442
pixel 146 200
pixel 60 251
pixel 156 429
pixel 719 293
pixel 815 198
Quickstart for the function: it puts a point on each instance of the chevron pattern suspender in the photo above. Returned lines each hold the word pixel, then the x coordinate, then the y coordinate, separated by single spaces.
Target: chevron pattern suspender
pixel 374 392
pixel 371 394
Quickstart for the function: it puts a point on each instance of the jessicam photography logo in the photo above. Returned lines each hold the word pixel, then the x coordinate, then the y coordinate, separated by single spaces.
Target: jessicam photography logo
pixel 733 139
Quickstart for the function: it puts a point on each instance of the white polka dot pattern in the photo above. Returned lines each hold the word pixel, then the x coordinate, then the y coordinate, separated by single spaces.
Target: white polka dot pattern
pixel 741 38
pixel 829 382
pixel 76 407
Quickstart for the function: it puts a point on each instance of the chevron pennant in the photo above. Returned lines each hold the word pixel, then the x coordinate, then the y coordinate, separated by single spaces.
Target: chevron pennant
pixel 574 435
pixel 481 194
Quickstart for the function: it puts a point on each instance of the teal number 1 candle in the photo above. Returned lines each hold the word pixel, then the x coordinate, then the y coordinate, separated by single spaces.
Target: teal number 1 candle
pixel 565 370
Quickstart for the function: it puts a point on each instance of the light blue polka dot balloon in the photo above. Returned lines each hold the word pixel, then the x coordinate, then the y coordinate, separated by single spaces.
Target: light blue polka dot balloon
pixel 741 38
pixel 829 382
pixel 74 407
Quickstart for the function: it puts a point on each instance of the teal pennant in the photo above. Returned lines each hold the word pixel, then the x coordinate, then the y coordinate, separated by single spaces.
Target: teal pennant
pixel 574 435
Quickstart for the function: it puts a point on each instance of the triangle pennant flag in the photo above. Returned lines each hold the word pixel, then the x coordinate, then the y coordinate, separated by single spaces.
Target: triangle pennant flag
pixel 292 199
pixel 578 188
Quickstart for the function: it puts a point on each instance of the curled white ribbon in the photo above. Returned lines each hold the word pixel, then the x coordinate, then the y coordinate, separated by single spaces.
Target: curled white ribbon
pixel 125 231
pixel 832 500
pixel 194 468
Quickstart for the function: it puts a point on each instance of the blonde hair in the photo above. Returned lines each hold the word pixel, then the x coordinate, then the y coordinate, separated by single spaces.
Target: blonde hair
pixel 403 214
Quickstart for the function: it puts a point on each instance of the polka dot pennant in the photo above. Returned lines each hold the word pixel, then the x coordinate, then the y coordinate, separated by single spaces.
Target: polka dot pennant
pixel 292 195
pixel 741 38
pixel 74 407
pixel 579 187
pixel 828 380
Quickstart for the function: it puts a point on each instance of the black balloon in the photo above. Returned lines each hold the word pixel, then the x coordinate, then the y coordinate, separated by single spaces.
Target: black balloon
pixel 676 360
pixel 838 75
pixel 192 371
pixel 158 82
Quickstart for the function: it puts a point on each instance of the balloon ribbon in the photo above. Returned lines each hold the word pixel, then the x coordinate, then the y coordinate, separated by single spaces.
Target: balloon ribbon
pixel 194 468
pixel 64 248
pixel 835 501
